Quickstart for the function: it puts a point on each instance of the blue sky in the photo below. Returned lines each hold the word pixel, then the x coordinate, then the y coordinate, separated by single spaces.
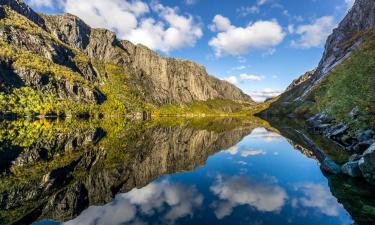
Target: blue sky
pixel 259 45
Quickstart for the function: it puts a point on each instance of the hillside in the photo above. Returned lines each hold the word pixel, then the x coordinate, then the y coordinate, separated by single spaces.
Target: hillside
pixel 337 100
pixel 57 64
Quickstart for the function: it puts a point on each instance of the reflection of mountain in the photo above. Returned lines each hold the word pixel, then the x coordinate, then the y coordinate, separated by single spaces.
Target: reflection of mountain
pixel 58 177
pixel 354 194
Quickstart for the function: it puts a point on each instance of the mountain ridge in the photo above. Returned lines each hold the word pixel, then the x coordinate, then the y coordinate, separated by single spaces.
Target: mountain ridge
pixel 85 60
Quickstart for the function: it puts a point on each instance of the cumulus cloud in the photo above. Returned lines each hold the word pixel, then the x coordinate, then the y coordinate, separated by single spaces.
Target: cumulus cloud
pixel 172 201
pixel 132 20
pixel 41 3
pixel 232 80
pixel 318 197
pixel 263 95
pixel 220 23
pixel 236 191
pixel 261 35
pixel 315 33
pixel 252 77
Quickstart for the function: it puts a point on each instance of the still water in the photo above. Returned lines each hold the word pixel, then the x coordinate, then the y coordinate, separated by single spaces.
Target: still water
pixel 198 171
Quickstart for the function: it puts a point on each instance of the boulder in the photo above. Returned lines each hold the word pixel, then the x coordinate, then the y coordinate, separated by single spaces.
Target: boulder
pixel 330 166
pixel 367 164
pixel 352 169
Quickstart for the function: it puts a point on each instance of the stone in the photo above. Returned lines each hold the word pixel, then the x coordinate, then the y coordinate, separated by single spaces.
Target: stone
pixel 367 164
pixel 351 168
pixel 366 135
pixel 360 147
pixel 330 166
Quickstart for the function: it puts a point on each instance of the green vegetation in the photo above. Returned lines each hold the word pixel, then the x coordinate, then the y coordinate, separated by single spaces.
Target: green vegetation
pixel 351 85
pixel 209 107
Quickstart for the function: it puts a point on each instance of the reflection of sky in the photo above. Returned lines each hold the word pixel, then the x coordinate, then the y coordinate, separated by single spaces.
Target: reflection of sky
pixel 169 201
pixel 260 180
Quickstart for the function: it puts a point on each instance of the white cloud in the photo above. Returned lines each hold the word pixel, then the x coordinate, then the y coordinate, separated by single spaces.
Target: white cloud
pixel 318 197
pixel 253 9
pixel 220 23
pixel 41 3
pixel 132 20
pixel 265 94
pixel 236 191
pixel 180 201
pixel 251 77
pixel 190 2
pixel 314 34
pixel 261 35
pixel 231 79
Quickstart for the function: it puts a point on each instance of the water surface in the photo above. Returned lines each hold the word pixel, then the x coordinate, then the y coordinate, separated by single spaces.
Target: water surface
pixel 197 171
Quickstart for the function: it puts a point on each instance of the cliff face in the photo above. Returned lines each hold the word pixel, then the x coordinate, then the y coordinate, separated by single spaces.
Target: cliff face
pixel 162 80
pixel 66 41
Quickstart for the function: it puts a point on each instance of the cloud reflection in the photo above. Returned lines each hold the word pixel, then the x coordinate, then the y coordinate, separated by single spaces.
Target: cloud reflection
pixel 172 201
pixel 264 134
pixel 236 191
pixel 245 153
pixel 317 196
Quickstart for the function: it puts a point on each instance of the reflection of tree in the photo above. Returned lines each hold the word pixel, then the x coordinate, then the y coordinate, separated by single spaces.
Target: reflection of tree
pixel 81 171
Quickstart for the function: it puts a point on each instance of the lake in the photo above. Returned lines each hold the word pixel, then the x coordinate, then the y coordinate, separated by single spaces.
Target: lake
pixel 172 171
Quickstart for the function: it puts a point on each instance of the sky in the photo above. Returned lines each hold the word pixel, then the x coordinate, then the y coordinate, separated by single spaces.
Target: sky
pixel 258 45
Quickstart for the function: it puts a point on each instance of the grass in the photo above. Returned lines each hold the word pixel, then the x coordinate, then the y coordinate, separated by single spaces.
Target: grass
pixel 351 85
pixel 209 107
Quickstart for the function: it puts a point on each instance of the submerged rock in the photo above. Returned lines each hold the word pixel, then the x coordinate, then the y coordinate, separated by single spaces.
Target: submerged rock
pixel 367 164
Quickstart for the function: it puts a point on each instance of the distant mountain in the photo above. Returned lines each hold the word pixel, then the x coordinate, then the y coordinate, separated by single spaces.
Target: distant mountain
pixel 60 58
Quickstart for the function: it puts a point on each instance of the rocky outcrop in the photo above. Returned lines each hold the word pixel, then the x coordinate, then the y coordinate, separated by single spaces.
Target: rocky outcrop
pixel 20 7
pixel 160 80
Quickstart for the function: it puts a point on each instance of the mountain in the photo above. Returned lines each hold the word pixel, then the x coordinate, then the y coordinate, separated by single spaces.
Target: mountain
pixel 58 61
pixel 344 78
pixel 337 99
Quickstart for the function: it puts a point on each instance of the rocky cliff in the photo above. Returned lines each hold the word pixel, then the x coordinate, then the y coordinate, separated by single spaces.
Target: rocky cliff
pixel 337 99
pixel 356 28
pixel 72 47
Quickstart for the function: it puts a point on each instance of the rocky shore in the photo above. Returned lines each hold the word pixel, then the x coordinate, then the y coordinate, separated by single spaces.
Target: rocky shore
pixel 360 144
